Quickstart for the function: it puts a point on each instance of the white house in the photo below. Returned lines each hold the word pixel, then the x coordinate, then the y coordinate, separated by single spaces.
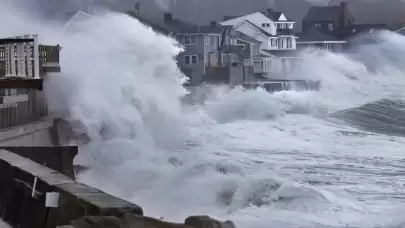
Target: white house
pixel 276 34
pixel 273 29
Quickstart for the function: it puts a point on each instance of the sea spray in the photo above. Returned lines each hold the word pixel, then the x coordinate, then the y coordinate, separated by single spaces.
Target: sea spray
pixel 120 81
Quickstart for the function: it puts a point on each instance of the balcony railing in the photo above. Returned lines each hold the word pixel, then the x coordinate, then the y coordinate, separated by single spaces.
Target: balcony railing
pixel 285 32
pixel 18 58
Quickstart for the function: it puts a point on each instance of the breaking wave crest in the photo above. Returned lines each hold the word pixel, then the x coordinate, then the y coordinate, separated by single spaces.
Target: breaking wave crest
pixel 260 159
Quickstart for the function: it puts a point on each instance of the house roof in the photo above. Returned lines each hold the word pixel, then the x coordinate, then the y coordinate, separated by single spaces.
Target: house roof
pixel 273 15
pixel 244 37
pixel 70 17
pixel 401 31
pixel 395 27
pixel 282 53
pixel 158 25
pixel 181 26
pixel 314 34
pixel 322 13
pixel 260 29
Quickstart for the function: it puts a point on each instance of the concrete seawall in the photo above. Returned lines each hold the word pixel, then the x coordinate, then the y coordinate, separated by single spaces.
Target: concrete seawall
pixel 40 133
pixel 25 187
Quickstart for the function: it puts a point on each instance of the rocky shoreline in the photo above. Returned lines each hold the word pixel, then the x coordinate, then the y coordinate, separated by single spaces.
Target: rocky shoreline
pixel 130 220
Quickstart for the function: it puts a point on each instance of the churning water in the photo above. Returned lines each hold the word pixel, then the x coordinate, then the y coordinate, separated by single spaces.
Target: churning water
pixel 329 158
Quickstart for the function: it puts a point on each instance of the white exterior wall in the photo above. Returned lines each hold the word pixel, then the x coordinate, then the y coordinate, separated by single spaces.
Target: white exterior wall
pixel 247 29
pixel 255 18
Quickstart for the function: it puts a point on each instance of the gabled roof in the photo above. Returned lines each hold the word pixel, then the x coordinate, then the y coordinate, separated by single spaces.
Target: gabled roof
pixel 157 25
pixel 181 26
pixel 274 16
pixel 401 31
pixel 72 17
pixel 260 29
pixel 313 35
pixel 395 27
pixel 244 37
pixel 322 13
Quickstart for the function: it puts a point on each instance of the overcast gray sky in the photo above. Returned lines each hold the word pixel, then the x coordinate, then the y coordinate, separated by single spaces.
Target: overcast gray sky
pixel 202 11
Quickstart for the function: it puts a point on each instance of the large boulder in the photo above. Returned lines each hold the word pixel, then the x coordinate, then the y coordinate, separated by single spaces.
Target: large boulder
pixel 97 222
pixel 130 220
pixel 207 222
pixel 135 221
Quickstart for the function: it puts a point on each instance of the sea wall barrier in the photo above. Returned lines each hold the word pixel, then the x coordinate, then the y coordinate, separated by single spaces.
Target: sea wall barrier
pixel 38 189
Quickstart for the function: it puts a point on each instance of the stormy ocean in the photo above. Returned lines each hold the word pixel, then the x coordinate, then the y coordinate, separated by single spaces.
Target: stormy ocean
pixel 328 158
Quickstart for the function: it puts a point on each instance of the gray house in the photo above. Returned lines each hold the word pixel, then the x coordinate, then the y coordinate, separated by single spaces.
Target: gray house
pixel 328 19
pixel 313 38
pixel 199 42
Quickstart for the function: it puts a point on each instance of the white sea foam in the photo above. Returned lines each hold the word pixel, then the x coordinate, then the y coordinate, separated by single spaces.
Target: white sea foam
pixel 260 159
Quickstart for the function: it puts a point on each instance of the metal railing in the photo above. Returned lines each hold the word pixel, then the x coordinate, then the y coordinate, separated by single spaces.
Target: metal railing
pixel 49 53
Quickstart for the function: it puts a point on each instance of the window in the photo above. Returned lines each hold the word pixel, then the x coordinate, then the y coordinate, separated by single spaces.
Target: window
pixel 290 25
pixel 317 25
pixel 255 49
pixel 330 27
pixel 289 43
pixel 281 44
pixel 268 65
pixel 190 59
pixel 190 40
pixel 264 25
pixel 241 45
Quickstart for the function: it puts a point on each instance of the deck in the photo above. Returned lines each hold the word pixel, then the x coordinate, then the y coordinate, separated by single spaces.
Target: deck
pixel 24 65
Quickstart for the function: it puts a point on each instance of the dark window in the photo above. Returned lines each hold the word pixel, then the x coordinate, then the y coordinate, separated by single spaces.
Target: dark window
pixel 190 40
pixel 194 59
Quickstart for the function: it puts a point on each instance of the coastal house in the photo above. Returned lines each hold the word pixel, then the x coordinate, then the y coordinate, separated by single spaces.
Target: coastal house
pixel 313 38
pixel 336 21
pixel 201 57
pixel 198 41
pixel 328 19
pixel 278 42
pixel 156 23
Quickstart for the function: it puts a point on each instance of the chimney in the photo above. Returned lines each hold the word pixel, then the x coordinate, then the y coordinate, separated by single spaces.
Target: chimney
pixel 167 17
pixel 213 23
pixel 343 15
pixel 269 11
pixel 137 8
pixel 226 18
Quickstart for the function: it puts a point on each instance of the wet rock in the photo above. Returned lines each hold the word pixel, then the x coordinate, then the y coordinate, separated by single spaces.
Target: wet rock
pixel 207 222
pixel 97 222
pixel 135 221
pixel 130 220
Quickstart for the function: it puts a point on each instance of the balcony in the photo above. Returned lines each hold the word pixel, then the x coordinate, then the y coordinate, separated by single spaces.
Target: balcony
pixel 49 58
pixel 285 32
pixel 232 49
